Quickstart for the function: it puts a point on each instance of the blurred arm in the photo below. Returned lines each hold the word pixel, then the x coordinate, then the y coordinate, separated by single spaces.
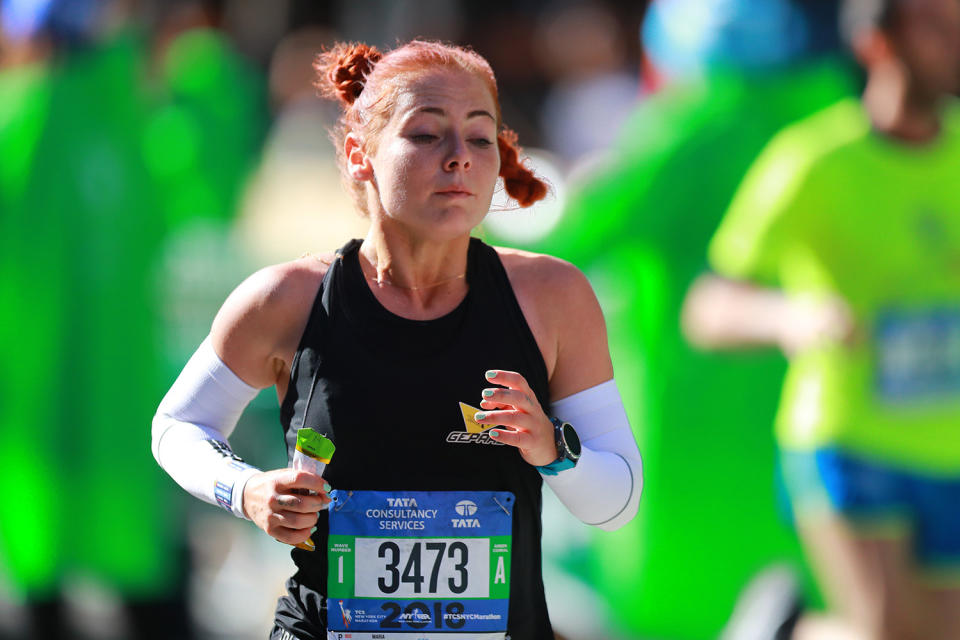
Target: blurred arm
pixel 727 314
pixel 720 313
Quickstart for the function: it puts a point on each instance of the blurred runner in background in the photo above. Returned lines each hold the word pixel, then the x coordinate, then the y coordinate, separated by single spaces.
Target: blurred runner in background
pixel 639 226
pixel 89 196
pixel 30 272
pixel 853 213
pixel 86 232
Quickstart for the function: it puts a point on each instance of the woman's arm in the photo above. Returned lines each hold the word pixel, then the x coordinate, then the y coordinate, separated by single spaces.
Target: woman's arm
pixel 192 425
pixel 603 489
pixel 250 347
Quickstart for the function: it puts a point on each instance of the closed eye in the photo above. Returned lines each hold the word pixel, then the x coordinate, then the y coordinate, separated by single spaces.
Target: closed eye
pixel 423 138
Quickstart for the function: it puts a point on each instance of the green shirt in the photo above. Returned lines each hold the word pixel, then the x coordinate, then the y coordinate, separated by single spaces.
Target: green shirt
pixel 639 228
pixel 832 208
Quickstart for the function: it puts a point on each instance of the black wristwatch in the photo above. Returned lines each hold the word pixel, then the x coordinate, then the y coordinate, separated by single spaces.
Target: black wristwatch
pixel 568 448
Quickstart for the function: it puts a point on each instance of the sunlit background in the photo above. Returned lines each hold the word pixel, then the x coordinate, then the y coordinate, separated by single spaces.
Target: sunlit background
pixel 153 154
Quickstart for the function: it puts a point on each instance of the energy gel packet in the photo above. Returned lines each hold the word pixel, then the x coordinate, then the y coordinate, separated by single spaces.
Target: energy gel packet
pixel 313 453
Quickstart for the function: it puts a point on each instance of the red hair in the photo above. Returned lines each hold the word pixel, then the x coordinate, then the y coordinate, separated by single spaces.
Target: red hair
pixel 366 83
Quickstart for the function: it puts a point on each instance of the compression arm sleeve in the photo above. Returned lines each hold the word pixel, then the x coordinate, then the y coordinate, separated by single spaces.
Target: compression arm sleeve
pixel 191 427
pixel 604 488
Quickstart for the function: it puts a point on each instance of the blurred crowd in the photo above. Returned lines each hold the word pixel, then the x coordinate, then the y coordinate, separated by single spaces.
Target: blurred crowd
pixel 153 153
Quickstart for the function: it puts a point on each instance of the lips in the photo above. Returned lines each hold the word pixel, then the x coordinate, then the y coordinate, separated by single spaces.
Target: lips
pixel 454 192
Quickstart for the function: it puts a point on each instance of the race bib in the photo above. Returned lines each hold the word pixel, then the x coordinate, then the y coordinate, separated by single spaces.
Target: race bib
pixel 419 564
pixel 918 355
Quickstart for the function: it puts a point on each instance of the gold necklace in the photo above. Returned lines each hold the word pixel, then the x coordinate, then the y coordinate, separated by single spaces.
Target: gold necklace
pixel 384 281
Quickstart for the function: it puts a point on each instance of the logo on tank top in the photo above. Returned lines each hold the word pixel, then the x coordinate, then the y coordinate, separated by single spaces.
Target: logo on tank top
pixel 474 432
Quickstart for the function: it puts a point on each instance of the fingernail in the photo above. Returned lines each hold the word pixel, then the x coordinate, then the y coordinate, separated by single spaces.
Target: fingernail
pixel 487 393
pixel 327 487
pixel 494 434
pixel 491 374
pixel 480 415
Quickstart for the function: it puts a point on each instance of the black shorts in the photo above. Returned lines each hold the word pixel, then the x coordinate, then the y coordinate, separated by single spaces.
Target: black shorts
pixel 301 613
pixel 279 633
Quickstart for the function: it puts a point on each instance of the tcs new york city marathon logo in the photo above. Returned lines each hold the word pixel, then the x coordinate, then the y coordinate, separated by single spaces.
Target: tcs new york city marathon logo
pixel 475 433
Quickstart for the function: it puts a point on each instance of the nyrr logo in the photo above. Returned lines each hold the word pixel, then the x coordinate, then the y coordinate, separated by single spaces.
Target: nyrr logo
pixel 475 432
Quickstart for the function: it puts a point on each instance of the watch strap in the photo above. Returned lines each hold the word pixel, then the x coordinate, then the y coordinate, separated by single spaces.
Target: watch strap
pixel 563 462
pixel 555 467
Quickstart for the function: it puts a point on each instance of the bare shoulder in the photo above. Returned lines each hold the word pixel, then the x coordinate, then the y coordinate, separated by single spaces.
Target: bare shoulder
pixel 564 316
pixel 548 279
pixel 257 329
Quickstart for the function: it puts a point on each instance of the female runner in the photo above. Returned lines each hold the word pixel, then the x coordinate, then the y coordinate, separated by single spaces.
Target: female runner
pixel 453 377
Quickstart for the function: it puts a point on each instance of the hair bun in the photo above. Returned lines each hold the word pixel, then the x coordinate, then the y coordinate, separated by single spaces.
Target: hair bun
pixel 343 70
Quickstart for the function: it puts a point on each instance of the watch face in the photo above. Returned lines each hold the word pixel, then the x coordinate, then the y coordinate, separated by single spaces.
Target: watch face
pixel 571 439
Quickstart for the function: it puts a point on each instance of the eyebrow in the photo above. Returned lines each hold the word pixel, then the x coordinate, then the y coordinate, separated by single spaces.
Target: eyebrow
pixel 440 112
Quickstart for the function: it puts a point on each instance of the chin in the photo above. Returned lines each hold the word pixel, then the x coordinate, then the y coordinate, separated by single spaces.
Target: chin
pixel 453 222
pixel 439 224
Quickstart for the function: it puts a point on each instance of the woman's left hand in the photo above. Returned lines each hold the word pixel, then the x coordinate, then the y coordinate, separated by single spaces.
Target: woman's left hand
pixel 520 419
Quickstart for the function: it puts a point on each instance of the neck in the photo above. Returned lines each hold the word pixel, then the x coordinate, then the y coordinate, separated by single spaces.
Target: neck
pixel 898 112
pixel 412 276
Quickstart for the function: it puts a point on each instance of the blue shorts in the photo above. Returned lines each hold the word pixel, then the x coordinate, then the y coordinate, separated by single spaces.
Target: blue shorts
pixel 871 495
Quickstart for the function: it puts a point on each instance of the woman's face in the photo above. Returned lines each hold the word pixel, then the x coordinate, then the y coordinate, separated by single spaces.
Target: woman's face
pixel 437 161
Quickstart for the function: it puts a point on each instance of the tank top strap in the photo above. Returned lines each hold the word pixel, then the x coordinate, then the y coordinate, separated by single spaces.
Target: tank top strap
pixel 304 367
pixel 491 284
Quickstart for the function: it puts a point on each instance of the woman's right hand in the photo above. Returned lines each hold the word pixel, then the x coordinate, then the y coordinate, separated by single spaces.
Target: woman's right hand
pixel 277 501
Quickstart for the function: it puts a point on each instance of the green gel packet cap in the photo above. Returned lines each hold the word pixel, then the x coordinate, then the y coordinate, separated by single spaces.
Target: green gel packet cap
pixel 315 445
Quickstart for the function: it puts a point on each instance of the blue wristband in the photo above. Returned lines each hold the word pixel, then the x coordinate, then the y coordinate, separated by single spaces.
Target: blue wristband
pixel 555 467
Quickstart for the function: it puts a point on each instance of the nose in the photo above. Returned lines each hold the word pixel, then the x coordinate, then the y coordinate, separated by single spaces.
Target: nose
pixel 458 155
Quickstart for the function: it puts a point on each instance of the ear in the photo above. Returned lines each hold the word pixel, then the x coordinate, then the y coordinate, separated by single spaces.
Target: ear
pixel 872 46
pixel 358 162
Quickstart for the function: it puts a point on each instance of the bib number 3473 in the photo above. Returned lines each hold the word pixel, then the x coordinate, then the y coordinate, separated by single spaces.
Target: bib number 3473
pixel 404 564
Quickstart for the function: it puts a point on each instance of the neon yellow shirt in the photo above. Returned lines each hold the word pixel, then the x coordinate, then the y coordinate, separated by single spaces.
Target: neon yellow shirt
pixel 833 208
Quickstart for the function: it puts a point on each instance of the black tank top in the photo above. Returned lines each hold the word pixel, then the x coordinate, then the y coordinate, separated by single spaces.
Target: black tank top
pixel 387 391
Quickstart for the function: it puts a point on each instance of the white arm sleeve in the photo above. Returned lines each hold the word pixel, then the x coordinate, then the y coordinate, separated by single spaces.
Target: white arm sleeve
pixel 604 488
pixel 191 427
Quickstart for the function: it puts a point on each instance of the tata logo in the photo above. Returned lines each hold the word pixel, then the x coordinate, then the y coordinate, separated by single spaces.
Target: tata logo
pixel 465 523
pixel 466 508
pixel 402 502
